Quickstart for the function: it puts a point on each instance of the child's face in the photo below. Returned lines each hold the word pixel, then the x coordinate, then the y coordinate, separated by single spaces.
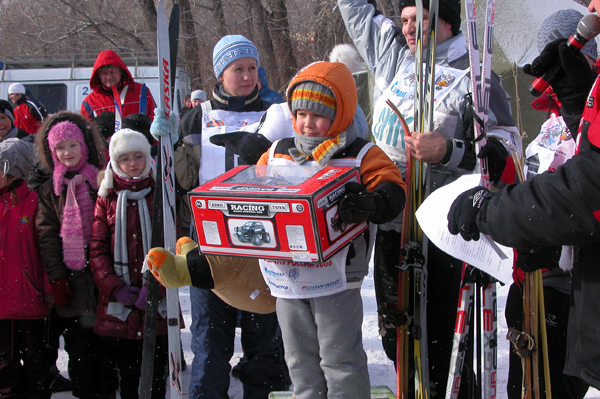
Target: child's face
pixel 5 180
pixel 5 125
pixel 68 152
pixel 310 123
pixel 132 163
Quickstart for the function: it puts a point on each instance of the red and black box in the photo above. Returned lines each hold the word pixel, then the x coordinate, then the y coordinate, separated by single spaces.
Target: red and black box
pixel 274 212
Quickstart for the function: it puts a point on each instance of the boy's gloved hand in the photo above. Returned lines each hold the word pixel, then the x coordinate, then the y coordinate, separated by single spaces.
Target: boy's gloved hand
pixel 360 205
pixel 500 164
pixel 127 295
pixel 534 258
pixel 61 291
pixel 163 127
pixel 140 303
pixel 172 270
pixel 249 146
pixel 462 216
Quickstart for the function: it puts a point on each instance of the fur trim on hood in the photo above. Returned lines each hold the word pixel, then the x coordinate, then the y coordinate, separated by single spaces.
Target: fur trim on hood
pixel 91 136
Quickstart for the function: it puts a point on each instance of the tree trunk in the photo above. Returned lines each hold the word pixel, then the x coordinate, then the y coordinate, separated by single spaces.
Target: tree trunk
pixel 149 12
pixel 191 47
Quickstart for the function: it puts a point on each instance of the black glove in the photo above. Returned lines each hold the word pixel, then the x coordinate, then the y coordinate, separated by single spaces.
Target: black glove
pixel 249 146
pixel 462 216
pixel 496 155
pixel 534 258
pixel 360 205
pixel 572 85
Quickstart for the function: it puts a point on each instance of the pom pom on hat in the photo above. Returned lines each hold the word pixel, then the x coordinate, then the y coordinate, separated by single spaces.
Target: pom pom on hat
pixel 231 48
pixel 15 158
pixel 7 110
pixel 563 23
pixel 16 88
pixel 314 97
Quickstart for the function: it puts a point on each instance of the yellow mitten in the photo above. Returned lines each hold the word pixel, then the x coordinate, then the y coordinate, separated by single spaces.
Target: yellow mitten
pixel 184 245
pixel 170 270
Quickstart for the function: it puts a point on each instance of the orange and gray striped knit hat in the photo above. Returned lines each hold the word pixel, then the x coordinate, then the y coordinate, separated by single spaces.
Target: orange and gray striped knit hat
pixel 313 96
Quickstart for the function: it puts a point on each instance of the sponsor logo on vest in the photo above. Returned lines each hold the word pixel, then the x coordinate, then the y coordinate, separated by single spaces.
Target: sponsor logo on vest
pixel 272 273
pixel 278 286
pixel 320 286
pixel 294 274
pixel 248 209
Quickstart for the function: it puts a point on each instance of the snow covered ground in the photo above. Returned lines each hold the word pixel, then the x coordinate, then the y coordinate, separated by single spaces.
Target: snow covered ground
pixel 381 369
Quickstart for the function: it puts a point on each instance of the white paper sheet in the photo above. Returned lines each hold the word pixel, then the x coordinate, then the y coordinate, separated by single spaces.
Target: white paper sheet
pixel 432 217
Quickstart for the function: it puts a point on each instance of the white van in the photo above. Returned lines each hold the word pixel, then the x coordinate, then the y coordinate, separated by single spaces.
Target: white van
pixel 58 85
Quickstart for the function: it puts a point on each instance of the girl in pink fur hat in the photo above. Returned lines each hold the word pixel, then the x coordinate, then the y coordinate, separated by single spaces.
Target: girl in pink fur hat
pixel 71 148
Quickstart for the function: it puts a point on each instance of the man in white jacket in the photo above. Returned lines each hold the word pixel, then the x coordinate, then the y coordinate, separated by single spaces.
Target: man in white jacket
pixel 388 52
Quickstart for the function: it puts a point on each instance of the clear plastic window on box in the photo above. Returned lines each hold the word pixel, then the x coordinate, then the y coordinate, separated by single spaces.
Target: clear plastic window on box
pixel 277 176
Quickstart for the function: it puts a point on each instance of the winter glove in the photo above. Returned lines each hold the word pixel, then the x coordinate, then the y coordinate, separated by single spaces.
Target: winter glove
pixel 127 295
pixel 163 127
pixel 500 165
pixel 172 270
pixel 572 85
pixel 249 146
pixel 534 258
pixel 61 291
pixel 462 216
pixel 140 303
pixel 359 205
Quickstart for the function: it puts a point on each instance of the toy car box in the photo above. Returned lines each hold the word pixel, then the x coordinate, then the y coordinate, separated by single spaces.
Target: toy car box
pixel 274 212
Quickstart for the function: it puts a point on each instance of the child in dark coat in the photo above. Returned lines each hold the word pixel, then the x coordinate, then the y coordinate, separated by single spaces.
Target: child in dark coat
pixel 120 240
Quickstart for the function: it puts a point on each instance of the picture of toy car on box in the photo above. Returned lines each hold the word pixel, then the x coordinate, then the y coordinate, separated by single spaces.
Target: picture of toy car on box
pixel 253 232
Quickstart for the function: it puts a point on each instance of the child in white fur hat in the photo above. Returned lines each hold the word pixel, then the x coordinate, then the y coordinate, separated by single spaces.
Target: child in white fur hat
pixel 120 240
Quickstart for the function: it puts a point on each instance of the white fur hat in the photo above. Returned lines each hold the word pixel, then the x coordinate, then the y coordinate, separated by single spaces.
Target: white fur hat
pixel 122 142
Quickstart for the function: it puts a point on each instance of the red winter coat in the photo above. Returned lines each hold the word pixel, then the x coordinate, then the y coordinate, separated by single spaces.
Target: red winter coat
pixel 102 256
pixel 23 283
pixel 101 99
pixel 27 116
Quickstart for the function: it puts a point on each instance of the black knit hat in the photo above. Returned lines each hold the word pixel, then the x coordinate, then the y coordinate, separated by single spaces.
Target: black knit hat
pixel 140 123
pixel 106 124
pixel 449 11
pixel 7 109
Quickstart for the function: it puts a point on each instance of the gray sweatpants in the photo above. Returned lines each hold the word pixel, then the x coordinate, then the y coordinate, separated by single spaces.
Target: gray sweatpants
pixel 322 338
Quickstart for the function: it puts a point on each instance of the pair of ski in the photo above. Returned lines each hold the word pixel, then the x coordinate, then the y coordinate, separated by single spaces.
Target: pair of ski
pixel 477 287
pixel 163 218
pixel 414 244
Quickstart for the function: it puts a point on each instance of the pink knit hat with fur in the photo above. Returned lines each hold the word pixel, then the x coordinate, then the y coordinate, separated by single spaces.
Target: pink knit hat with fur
pixel 69 131
pixel 66 131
